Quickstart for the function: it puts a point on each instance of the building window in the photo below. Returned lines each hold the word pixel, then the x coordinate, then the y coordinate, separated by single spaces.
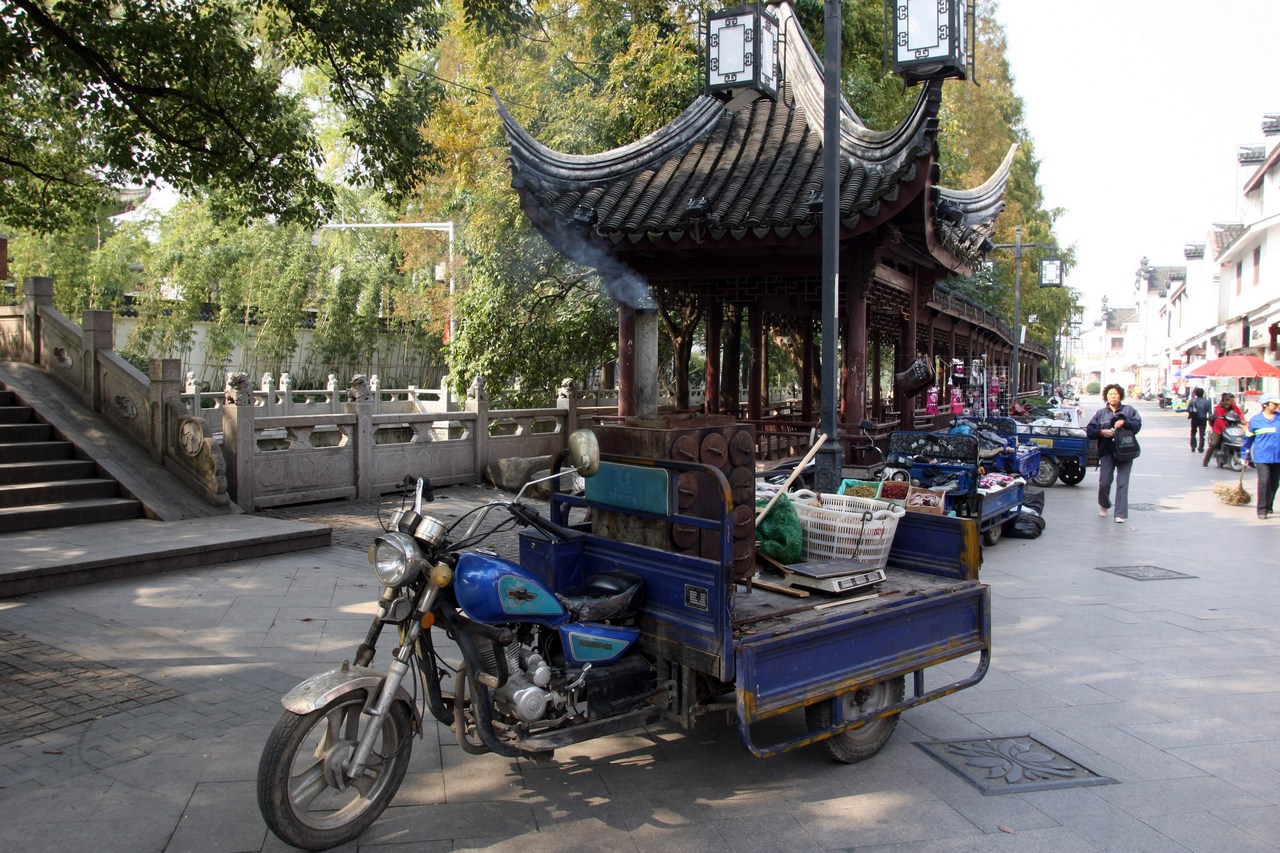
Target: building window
pixel 1239 275
pixel 1257 265
pixel 1117 344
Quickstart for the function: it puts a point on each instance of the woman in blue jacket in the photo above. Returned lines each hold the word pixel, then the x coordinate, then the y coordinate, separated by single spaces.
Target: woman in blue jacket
pixel 1111 417
pixel 1262 448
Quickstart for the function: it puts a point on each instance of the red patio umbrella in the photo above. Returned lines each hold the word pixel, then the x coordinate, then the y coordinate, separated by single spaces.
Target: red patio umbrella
pixel 1239 366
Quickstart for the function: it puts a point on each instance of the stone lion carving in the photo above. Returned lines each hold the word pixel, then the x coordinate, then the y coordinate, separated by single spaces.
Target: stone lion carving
pixel 239 392
pixel 476 390
pixel 360 390
pixel 567 388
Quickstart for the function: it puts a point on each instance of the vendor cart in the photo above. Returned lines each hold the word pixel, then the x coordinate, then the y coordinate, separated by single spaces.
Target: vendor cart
pixel 1021 458
pixel 1065 452
pixel 949 464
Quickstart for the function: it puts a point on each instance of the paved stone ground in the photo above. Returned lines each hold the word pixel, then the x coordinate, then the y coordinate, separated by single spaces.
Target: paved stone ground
pixel 46 688
pixel 1170 687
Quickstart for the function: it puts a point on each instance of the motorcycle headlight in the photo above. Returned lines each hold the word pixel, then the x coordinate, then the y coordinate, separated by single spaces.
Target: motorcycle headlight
pixel 395 558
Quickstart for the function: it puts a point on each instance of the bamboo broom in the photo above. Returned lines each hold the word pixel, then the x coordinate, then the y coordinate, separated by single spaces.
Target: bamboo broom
pixel 1234 495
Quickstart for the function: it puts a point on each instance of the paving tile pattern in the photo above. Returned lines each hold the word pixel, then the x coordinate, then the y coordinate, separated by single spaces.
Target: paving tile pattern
pixel 1170 689
pixel 46 688
pixel 1011 764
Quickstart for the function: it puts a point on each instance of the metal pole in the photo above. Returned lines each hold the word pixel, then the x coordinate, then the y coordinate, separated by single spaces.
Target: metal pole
pixel 828 473
pixel 1017 313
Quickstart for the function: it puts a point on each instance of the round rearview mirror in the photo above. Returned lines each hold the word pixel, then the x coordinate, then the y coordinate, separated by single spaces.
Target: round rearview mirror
pixel 584 452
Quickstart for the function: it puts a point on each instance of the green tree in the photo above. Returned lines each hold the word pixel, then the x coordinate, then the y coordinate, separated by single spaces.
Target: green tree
pixel 100 94
pixel 103 259
pixel 528 317
pixel 977 125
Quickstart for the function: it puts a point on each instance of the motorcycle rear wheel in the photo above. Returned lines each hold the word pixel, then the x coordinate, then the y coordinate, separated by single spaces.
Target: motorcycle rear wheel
pixel 1237 463
pixel 298 792
pixel 865 741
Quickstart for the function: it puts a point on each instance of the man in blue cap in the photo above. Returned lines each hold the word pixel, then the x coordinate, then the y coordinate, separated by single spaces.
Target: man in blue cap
pixel 1262 448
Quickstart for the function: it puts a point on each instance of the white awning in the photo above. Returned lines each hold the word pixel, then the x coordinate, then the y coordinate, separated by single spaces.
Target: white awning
pixel 1190 369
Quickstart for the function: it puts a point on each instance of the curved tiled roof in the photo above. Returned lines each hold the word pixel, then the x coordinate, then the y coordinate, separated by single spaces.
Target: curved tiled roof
pixel 748 169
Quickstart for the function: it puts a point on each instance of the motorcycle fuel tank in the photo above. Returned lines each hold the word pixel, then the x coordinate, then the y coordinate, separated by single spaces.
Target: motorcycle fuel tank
pixel 491 589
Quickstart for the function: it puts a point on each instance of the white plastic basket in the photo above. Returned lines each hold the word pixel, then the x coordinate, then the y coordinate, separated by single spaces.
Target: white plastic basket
pixel 847 527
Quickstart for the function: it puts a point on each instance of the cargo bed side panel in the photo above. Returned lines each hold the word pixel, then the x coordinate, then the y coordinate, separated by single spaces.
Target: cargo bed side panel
pixel 799 663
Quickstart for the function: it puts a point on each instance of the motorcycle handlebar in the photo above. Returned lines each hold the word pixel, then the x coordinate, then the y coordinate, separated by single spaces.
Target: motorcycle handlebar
pixel 533 518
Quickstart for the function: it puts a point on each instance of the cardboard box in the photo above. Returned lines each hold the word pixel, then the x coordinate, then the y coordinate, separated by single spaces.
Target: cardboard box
pixel 928 501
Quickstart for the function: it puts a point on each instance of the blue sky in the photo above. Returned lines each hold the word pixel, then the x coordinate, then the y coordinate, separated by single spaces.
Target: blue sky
pixel 1136 108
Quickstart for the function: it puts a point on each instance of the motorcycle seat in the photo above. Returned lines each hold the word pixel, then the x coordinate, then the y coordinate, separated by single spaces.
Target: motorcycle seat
pixel 611 594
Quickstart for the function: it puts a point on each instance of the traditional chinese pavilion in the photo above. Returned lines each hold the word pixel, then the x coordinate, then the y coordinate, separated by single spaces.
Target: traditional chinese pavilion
pixel 722 209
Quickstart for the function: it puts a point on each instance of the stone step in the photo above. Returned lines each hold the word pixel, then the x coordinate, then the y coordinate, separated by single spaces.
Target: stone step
pixel 36 516
pixel 58 557
pixel 45 472
pixel 7 398
pixel 34 451
pixel 20 432
pixel 15 414
pixel 56 491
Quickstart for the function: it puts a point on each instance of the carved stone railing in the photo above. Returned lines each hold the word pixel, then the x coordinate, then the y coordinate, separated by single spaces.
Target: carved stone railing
pixel 280 398
pixel 145 407
pixel 12 332
pixel 361 453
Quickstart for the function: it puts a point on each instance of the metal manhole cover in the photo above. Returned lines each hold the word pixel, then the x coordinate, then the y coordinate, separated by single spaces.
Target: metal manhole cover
pixel 43 688
pixel 1011 765
pixel 1145 573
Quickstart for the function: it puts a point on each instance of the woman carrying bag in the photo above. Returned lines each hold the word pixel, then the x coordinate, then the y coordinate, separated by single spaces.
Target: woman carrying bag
pixel 1115 452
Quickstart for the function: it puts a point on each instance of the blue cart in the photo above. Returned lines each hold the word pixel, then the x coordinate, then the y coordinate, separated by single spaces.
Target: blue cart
pixel 1018 457
pixel 951 462
pixel 1065 453
pixel 721 645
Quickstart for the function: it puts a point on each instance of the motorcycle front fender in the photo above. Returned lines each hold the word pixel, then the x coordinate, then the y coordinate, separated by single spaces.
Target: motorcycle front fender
pixel 321 689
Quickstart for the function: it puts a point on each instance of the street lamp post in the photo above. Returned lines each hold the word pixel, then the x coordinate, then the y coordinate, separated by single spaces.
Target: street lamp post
pixel 1050 276
pixel 829 462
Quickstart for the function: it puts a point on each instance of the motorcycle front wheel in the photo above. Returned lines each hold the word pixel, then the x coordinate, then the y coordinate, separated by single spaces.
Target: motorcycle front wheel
pixel 302 791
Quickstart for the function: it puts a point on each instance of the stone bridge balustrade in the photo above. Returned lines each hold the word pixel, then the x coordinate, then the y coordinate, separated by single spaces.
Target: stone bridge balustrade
pixel 146 407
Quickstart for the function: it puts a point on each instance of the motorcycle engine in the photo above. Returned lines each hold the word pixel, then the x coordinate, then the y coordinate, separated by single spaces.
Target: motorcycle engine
pixel 524 695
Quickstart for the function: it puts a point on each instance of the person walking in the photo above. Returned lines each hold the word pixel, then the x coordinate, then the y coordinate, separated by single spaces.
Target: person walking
pixel 1218 422
pixel 1262 448
pixel 1198 411
pixel 1111 417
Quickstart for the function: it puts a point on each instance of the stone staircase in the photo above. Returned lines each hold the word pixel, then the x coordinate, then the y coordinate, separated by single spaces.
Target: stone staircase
pixel 81 502
pixel 44 482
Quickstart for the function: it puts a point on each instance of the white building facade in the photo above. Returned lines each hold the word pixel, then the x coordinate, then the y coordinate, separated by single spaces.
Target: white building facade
pixel 1225 301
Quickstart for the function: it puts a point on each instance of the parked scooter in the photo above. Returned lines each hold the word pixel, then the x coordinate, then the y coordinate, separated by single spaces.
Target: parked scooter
pixel 1227 453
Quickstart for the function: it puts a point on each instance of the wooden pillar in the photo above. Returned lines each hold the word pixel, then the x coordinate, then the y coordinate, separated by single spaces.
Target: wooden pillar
pixel 809 360
pixel 626 360
pixel 731 364
pixel 755 325
pixel 853 403
pixel 906 355
pixel 715 320
pixel 876 401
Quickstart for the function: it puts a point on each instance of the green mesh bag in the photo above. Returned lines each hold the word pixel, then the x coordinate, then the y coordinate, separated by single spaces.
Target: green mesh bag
pixel 779 535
